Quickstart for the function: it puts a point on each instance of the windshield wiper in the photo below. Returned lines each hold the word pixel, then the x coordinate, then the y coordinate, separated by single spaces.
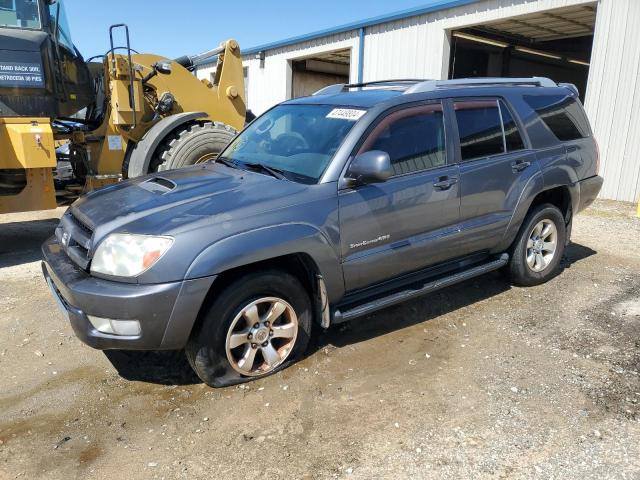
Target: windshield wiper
pixel 274 172
pixel 227 162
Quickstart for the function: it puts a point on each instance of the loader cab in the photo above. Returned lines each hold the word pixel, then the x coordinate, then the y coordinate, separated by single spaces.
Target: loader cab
pixel 20 14
pixel 42 74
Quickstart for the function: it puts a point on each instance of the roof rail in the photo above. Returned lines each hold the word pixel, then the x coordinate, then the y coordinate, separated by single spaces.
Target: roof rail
pixel 331 89
pixel 343 87
pixel 430 85
pixel 393 81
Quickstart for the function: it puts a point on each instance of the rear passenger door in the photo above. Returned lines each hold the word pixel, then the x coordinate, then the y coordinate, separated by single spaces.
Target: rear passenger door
pixel 405 223
pixel 495 165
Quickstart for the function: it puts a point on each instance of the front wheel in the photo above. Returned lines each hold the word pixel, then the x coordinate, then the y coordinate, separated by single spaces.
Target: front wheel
pixel 256 326
pixel 538 248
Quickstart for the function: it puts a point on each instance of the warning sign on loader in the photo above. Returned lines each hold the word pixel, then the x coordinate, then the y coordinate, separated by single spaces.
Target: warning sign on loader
pixel 21 74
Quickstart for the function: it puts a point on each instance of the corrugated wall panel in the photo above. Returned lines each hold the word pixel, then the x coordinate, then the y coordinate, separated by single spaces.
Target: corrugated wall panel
pixel 613 96
pixel 419 46
pixel 272 83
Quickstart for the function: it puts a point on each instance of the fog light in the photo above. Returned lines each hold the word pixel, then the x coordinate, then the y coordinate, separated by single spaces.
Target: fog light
pixel 115 327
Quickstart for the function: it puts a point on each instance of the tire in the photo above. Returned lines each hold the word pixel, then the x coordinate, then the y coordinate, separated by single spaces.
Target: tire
pixel 527 248
pixel 12 181
pixel 223 325
pixel 191 144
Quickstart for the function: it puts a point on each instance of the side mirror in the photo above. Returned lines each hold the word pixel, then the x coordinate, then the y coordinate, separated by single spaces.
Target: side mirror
pixel 162 67
pixel 373 166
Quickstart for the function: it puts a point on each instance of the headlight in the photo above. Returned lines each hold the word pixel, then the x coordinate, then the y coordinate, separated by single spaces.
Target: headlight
pixel 128 255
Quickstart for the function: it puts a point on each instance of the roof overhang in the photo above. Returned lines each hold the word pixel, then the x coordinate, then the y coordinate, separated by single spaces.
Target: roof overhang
pixel 433 6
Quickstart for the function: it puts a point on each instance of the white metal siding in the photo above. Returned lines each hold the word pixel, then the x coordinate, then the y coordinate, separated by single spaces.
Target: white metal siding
pixel 418 47
pixel 613 97
pixel 272 83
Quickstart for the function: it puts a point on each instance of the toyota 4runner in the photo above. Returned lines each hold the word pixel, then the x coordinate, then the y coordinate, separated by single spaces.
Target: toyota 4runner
pixel 324 209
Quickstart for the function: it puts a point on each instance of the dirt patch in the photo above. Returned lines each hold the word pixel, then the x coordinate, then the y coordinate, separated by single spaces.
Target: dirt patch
pixel 481 380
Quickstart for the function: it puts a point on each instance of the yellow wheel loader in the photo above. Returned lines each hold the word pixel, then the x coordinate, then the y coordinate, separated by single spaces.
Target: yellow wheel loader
pixel 68 125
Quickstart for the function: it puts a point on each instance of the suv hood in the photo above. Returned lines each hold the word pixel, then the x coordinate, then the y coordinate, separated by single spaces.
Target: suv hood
pixel 168 201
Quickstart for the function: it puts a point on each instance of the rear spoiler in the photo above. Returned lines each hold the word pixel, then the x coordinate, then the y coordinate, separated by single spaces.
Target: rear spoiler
pixel 571 87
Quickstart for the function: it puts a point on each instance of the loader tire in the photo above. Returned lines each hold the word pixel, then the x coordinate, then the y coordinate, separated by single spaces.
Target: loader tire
pixel 191 144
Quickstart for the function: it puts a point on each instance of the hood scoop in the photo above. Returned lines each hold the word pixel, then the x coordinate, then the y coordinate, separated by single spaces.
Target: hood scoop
pixel 158 185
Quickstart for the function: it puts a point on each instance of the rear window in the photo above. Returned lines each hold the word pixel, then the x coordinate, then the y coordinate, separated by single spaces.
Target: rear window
pixel 562 114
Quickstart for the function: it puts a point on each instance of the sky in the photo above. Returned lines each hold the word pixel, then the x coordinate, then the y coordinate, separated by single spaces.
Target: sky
pixel 175 28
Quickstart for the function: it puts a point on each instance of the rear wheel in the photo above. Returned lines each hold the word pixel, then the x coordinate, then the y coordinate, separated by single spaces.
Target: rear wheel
pixel 192 144
pixel 536 252
pixel 256 326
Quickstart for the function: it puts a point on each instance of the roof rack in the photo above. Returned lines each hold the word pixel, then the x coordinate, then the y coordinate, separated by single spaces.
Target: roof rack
pixel 431 85
pixel 345 87
pixel 412 85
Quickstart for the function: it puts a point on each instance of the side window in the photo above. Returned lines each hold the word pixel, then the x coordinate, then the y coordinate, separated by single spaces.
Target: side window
pixel 480 128
pixel 562 114
pixel 511 133
pixel 64 33
pixel 413 137
pixel 19 13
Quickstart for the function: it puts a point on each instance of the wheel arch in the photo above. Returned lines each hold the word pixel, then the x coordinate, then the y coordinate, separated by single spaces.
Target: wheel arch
pixel 559 196
pixel 299 249
pixel 299 264
pixel 142 153
pixel 565 197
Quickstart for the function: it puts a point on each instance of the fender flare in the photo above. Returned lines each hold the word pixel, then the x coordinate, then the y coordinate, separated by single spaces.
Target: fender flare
pixel 268 243
pixel 143 151
pixel 533 187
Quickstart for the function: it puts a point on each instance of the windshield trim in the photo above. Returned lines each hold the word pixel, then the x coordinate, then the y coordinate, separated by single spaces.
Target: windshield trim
pixel 33 29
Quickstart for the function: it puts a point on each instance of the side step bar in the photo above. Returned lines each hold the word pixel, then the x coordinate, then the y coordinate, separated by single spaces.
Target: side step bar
pixel 404 295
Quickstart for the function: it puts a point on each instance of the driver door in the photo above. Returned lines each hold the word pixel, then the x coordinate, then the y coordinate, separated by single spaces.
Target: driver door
pixel 404 224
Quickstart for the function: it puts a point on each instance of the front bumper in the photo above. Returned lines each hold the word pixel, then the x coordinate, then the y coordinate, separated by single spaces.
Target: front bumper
pixel 166 311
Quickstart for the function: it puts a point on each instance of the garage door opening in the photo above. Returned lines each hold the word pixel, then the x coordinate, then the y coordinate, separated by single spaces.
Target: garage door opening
pixel 313 73
pixel 555 43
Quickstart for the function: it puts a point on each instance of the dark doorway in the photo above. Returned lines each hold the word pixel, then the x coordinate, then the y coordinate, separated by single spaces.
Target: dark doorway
pixel 311 74
pixel 555 44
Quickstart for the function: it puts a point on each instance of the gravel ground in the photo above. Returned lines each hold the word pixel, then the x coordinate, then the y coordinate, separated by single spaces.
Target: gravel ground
pixel 481 380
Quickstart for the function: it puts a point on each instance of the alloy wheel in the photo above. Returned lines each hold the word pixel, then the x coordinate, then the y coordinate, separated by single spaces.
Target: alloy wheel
pixel 261 336
pixel 542 245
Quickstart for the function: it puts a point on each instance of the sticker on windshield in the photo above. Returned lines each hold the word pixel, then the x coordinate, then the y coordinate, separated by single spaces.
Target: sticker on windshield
pixel 346 114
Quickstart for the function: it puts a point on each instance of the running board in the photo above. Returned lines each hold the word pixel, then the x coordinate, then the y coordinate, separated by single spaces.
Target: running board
pixel 404 295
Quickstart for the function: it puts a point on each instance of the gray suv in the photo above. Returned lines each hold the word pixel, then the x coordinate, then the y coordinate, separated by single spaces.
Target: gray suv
pixel 325 209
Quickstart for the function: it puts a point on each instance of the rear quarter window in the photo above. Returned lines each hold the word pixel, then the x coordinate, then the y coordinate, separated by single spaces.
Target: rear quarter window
pixel 562 114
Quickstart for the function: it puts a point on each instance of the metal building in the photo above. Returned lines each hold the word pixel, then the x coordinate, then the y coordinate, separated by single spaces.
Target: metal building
pixel 593 44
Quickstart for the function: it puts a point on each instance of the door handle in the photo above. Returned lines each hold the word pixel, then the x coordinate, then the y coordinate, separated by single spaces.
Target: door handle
pixel 444 183
pixel 519 165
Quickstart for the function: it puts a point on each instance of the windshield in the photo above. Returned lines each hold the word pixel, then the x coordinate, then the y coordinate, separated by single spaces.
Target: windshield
pixel 19 14
pixel 297 140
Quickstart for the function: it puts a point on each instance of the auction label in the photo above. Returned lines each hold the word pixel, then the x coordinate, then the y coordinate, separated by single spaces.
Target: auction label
pixel 21 74
pixel 346 114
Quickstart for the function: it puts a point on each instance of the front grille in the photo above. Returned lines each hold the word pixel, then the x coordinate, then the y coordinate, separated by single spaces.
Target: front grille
pixel 75 238
pixel 80 224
